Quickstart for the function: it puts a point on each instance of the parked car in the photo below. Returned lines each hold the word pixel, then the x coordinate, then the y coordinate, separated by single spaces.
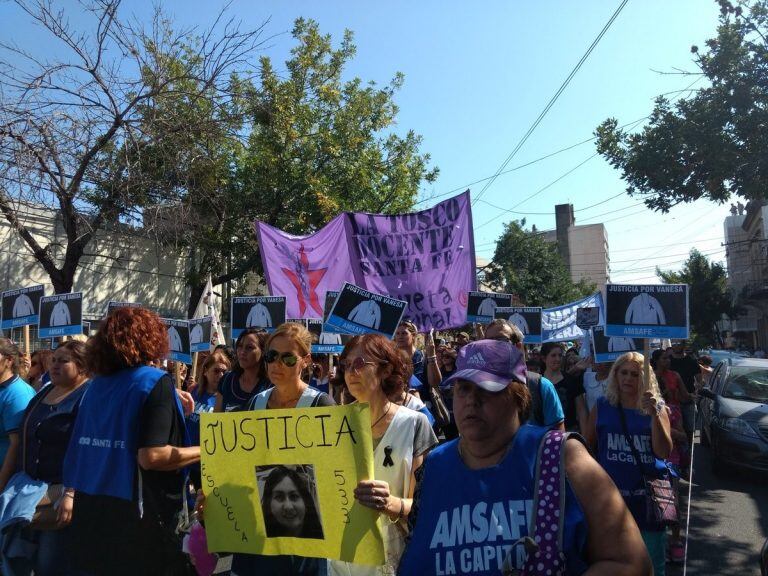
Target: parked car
pixel 734 414
pixel 723 355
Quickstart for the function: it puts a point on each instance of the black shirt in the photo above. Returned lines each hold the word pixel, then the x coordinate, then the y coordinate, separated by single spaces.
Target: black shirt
pixel 568 390
pixel 688 368
pixel 112 538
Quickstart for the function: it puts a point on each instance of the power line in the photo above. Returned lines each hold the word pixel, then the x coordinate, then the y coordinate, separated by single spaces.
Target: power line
pixel 540 190
pixel 552 101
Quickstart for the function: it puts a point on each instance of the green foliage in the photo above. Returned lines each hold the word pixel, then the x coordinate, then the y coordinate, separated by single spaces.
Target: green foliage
pixel 318 144
pixel 709 297
pixel 291 150
pixel 713 144
pixel 527 265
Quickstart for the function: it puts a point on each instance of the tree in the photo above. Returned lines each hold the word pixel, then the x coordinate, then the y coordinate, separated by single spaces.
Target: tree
pixel 73 126
pixel 527 265
pixel 712 144
pixel 316 146
pixel 709 296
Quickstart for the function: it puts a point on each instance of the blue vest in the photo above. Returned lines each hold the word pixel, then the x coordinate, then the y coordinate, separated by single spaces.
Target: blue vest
pixel 615 455
pixel 204 402
pixel 468 525
pixel 102 455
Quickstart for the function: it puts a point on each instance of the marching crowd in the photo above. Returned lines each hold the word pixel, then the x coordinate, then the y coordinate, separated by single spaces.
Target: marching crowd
pixel 490 456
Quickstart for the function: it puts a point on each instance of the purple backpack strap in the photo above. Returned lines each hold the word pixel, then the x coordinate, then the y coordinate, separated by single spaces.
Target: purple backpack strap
pixel 546 558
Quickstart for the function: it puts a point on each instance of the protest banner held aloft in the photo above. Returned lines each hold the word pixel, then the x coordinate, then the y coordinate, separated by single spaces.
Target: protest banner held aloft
pixel 481 306
pixel 526 318
pixel 359 311
pixel 558 324
pixel 200 334
pixel 61 315
pixel 266 312
pixel 647 310
pixel 178 340
pixel 426 259
pixel 324 452
pixel 21 307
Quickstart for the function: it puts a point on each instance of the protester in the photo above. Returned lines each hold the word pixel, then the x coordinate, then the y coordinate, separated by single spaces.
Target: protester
pixel 287 356
pixel 446 357
pixel 568 385
pixel 38 373
pixel 133 409
pixel 15 394
pixel 595 383
pixel 424 366
pixel 321 372
pixel 462 339
pixel 488 476
pixel 688 368
pixel 374 372
pixel 213 369
pixel 705 366
pixel 546 409
pixel 248 376
pixel 42 547
pixel 633 410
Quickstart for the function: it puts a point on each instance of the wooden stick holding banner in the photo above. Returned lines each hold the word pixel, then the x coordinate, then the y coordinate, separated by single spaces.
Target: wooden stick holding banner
pixel 647 362
pixel 194 364
pixel 177 373
pixel 26 339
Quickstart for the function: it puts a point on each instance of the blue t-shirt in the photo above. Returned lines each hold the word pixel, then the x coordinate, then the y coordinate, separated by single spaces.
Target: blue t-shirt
pixel 15 394
pixel 204 402
pixel 550 403
pixel 615 455
pixel 469 524
pixel 235 398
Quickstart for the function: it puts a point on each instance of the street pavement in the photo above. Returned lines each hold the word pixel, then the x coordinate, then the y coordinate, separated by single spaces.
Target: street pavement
pixel 728 520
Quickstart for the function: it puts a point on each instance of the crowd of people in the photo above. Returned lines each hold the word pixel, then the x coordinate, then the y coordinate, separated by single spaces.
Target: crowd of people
pixel 490 456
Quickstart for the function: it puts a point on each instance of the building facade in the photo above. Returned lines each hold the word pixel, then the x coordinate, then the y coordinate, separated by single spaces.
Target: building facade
pixel 746 242
pixel 584 248
pixel 121 263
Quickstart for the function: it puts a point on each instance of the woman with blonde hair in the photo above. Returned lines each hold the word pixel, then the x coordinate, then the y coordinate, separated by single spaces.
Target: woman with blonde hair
pixel 287 355
pixel 633 411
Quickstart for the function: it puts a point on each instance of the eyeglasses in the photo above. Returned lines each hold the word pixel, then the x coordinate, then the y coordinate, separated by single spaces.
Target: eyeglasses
pixel 287 358
pixel 629 373
pixel 501 338
pixel 356 365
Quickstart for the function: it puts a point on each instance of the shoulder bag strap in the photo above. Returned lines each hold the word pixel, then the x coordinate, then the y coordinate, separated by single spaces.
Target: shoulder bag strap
pixel 628 438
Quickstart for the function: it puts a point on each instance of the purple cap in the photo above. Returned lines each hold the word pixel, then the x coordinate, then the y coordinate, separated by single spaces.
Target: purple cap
pixel 490 364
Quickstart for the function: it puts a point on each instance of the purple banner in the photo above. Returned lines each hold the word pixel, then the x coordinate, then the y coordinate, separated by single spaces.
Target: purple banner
pixel 426 258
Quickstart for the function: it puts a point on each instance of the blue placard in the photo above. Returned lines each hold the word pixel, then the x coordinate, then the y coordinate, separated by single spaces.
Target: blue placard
pixel 359 311
pixel 61 315
pixel 200 334
pixel 21 307
pixel 481 306
pixel 609 348
pixel 647 310
pixel 327 348
pixel 526 318
pixel 178 340
pixel 261 312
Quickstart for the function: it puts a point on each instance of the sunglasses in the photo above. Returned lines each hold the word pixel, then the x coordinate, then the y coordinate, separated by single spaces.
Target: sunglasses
pixel 629 373
pixel 287 358
pixel 356 365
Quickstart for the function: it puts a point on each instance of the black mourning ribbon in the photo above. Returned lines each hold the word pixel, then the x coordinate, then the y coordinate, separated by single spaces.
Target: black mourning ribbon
pixel 388 456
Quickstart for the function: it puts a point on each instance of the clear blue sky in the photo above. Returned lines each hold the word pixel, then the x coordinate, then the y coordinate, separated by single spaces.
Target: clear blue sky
pixel 477 74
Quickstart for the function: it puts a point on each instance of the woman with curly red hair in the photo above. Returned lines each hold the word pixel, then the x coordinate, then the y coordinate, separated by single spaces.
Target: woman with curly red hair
pixel 126 454
pixel 374 371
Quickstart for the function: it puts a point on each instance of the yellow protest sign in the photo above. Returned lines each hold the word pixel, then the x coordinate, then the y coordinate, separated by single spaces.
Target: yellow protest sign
pixel 282 482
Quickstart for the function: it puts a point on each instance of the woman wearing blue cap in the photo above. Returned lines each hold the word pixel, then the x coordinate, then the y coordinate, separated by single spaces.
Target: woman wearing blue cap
pixel 491 518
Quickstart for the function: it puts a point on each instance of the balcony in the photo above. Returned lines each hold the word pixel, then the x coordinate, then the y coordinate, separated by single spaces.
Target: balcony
pixel 756 290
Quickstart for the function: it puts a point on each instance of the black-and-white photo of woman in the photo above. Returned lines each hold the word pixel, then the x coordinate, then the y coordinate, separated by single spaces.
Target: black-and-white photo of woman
pixel 289 501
